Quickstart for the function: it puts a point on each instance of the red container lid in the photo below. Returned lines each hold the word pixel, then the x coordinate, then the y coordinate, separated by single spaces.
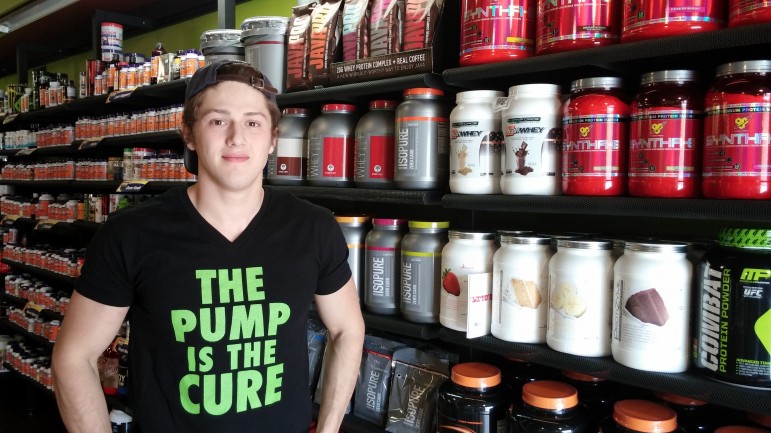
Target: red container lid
pixel 338 107
pixel 389 221
pixel 424 91
pixel 476 375
pixel 550 394
pixel 297 110
pixel 644 416
pixel 581 377
pixel 382 104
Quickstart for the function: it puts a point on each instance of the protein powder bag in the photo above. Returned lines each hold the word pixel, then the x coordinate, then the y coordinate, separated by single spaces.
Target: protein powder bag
pixel 420 19
pixel 298 47
pixel 317 338
pixel 356 29
pixel 374 383
pixel 385 36
pixel 412 404
pixel 326 29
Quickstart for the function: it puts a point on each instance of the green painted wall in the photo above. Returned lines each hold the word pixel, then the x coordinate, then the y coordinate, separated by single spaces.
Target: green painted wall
pixel 179 36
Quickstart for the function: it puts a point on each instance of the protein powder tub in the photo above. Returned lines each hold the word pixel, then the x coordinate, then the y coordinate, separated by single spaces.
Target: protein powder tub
pixel 665 136
pixel 580 295
pixel 652 19
pixel 566 26
pixel 287 164
pixel 421 270
pixel 548 407
pixel 520 288
pixel 330 146
pixel 382 258
pixel 734 317
pixel 473 400
pixel 633 416
pixel 596 129
pixel 651 305
pixel 596 393
pixel 495 32
pixel 375 146
pixel 532 127
pixel 465 254
pixel 476 142
pixel 744 12
pixel 693 416
pixel 422 140
pixel 222 44
pixel 355 229
pixel 737 155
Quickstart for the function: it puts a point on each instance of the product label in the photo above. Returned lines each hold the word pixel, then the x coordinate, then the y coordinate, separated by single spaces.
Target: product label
pixel 382 269
pixel 482 421
pixel 592 146
pixel 297 48
pixel 355 29
pixel 568 20
pixel 638 13
pixel 385 37
pixel 379 163
pixel 420 279
pixel 422 144
pixel 663 143
pixel 734 326
pixel 453 300
pixel 737 8
pixel 737 138
pixel 289 157
pixel 329 157
pixel 520 294
pixel 373 386
pixel 532 146
pixel 497 25
pixel 420 19
pixel 475 149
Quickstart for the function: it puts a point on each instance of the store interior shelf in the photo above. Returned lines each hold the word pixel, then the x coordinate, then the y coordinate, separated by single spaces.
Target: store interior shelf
pixel 688 384
pixel 631 59
pixel 40 341
pixel 20 303
pixel 397 325
pixel 29 380
pixel 749 211
pixel 364 194
pixel 93 186
pixel 160 139
pixel 360 92
pixel 42 273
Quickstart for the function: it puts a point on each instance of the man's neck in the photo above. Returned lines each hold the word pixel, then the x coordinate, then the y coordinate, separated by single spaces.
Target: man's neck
pixel 228 212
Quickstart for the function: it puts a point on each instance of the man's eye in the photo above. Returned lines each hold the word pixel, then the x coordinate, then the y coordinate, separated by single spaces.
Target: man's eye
pixel 217 122
pixel 253 124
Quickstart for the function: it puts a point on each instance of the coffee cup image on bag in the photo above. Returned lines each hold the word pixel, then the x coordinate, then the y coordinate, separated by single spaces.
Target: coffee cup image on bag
pixel 647 306
pixel 524 293
pixel 566 300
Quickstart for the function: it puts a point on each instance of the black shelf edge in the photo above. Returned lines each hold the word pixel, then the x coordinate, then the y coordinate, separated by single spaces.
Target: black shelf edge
pixel 313 193
pixel 635 57
pixel 353 424
pixel 40 341
pixel 749 211
pixel 20 303
pixel 42 273
pixel 37 385
pixel 688 384
pixel 397 325
pixel 356 91
pixel 103 186
pixel 169 137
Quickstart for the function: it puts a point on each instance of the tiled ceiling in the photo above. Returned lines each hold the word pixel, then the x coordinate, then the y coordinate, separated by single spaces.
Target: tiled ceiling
pixel 68 31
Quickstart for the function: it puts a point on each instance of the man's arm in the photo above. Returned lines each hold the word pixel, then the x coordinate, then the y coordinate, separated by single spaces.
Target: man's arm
pixel 341 315
pixel 87 330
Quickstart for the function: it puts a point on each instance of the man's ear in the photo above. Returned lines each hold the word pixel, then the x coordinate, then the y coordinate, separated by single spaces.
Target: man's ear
pixel 187 137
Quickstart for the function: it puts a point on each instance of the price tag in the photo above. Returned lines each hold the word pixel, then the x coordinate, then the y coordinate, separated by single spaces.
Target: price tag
pixel 9 220
pixel 45 224
pixel 119 96
pixel 10 118
pixel 131 186
pixel 89 144
pixel 26 152
pixel 32 311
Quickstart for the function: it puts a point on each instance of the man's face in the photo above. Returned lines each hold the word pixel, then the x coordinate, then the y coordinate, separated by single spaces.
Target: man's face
pixel 232 136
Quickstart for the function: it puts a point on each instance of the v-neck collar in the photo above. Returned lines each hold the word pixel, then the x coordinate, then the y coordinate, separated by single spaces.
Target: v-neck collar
pixel 212 233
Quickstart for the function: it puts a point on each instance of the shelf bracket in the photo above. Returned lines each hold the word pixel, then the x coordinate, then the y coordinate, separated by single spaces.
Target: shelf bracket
pixel 101 16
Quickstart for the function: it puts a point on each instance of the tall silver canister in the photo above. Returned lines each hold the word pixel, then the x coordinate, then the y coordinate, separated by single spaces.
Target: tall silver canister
pixel 382 265
pixel 222 44
pixel 355 229
pixel 264 40
pixel 421 270
pixel 288 162
pixel 330 146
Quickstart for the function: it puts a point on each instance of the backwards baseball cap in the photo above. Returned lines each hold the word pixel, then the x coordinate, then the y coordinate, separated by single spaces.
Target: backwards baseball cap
pixel 210 75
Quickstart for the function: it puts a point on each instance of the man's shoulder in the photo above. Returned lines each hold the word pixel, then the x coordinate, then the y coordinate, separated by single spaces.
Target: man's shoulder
pixel 294 207
pixel 157 208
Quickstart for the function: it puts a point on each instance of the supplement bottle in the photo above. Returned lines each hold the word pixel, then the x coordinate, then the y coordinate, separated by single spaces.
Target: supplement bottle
pixel 473 400
pixel 493 31
pixel 595 393
pixel 580 295
pixel 465 254
pixel 567 26
pixel 374 145
pixel 288 164
pixel 548 407
pixel 693 416
pixel 737 155
pixel 422 140
pixel 421 270
pixel 532 129
pixel 651 305
pixel 639 416
pixel 382 258
pixel 734 314
pixel 652 19
pixel 330 146
pixel 744 12
pixel 596 129
pixel 476 142
pixel 222 44
pixel 355 229
pixel 665 136
pixel 520 288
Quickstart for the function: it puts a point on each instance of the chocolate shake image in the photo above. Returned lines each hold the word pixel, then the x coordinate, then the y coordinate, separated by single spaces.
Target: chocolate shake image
pixel 521 155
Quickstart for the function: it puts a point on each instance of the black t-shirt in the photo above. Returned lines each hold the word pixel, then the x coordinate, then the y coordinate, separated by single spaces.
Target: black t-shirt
pixel 218 328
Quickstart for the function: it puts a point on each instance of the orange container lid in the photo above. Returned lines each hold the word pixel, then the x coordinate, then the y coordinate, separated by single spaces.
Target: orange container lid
pixel 424 91
pixel 644 416
pixel 351 219
pixel 476 375
pixel 581 377
pixel 550 394
pixel 739 429
pixel 764 420
pixel 679 399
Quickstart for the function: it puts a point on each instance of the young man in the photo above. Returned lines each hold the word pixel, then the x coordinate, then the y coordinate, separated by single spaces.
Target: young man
pixel 219 277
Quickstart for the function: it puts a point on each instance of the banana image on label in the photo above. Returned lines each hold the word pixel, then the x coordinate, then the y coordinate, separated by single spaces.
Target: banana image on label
pixel 566 297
